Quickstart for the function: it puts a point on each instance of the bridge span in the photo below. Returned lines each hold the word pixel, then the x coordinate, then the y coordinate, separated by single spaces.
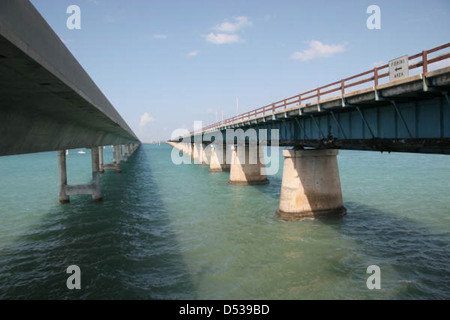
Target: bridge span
pixel 368 111
pixel 49 103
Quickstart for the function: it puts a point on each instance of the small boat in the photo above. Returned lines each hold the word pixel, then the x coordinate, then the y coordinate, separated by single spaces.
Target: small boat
pixel 81 152
pixel 67 152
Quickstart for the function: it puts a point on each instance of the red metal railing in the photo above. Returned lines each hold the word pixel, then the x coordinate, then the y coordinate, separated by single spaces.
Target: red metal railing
pixel 372 76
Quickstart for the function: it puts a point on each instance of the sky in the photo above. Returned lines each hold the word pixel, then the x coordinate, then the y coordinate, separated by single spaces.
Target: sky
pixel 165 64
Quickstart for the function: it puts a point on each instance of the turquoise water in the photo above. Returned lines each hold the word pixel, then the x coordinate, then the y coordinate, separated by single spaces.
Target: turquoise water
pixel 174 232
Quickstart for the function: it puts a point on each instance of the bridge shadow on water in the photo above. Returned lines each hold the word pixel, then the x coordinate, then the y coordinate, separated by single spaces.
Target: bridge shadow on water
pixel 124 246
pixel 417 255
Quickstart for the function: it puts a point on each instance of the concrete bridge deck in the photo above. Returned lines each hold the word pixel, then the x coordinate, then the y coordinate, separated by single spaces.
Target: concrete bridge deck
pixel 407 115
pixel 48 102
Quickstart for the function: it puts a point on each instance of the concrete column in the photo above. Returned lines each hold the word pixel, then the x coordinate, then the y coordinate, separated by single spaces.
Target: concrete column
pixel 218 158
pixel 246 166
pixel 192 150
pixel 200 154
pixel 116 161
pixel 117 157
pixel 62 173
pixel 206 155
pixel 96 193
pixel 123 153
pixel 100 159
pixel 92 189
pixel 311 185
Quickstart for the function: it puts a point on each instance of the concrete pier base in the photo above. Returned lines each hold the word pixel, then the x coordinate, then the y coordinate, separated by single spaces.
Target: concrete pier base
pixel 198 153
pixel 246 166
pixel 117 157
pixel 62 174
pixel 96 193
pixel 190 151
pixel 311 185
pixel 100 160
pixel 92 189
pixel 129 150
pixel 124 153
pixel 218 159
pixel 206 157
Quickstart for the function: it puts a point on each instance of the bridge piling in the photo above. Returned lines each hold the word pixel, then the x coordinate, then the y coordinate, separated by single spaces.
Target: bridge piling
pixel 246 166
pixel 62 173
pixel 66 190
pixel 198 153
pixel 117 157
pixel 311 185
pixel 191 152
pixel 218 158
pixel 116 160
pixel 128 150
pixel 100 160
pixel 206 155
pixel 96 193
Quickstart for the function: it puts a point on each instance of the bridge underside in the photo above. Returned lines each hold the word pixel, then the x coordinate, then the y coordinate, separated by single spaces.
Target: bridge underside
pixel 47 100
pixel 412 115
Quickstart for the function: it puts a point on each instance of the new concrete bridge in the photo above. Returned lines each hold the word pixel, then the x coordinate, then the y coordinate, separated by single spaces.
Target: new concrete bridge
pixel 378 110
pixel 49 103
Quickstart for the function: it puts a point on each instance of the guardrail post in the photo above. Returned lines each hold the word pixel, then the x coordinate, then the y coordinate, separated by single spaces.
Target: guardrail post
pixel 375 77
pixel 425 61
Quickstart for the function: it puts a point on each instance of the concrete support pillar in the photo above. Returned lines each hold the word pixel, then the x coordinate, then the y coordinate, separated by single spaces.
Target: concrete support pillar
pixel 311 185
pixel 218 159
pixel 191 151
pixel 206 155
pixel 96 193
pixel 66 190
pixel 128 148
pixel 123 153
pixel 62 173
pixel 200 156
pixel 246 166
pixel 116 160
pixel 117 155
pixel 100 159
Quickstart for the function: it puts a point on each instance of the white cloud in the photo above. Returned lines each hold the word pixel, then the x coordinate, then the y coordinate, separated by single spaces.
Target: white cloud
pixel 222 38
pixel 145 120
pixel 317 49
pixel 233 27
pixel 227 32
pixel 160 36
pixel 193 53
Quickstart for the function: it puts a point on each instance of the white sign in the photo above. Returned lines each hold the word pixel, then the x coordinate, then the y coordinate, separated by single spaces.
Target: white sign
pixel 398 68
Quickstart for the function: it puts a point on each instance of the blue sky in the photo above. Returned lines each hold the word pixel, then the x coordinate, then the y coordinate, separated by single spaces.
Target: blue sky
pixel 164 64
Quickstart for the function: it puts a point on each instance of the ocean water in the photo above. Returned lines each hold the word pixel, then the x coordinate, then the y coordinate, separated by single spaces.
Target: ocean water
pixel 179 232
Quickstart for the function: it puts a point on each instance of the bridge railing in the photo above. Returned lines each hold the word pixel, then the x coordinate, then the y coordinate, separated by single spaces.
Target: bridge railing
pixel 370 79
